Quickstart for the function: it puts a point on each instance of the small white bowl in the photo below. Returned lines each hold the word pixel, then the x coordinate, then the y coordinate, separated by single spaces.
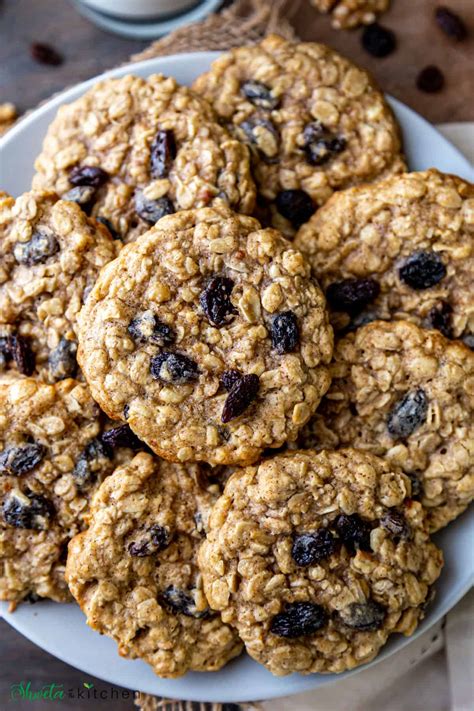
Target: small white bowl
pixel 139 9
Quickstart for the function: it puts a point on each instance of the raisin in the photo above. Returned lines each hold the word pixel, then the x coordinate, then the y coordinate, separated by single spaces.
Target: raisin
pixel 408 414
pixel 157 538
pixel 22 459
pixel 162 153
pixel 5 354
pixel 27 510
pixel 440 317
pixel 82 195
pixel 178 601
pixel 262 132
pixel 32 598
pixel 229 378
pixel 240 396
pixel 351 295
pixel 299 619
pixel 321 145
pixel 285 332
pixel 45 54
pixel 366 616
pixel 378 41
pixel 92 461
pixel 359 320
pixel 295 205
pixel 450 23
pixel 422 270
pixel 121 436
pixel 468 340
pixel 259 94
pixel 62 361
pixel 430 79
pixel 395 523
pixel 146 326
pixel 37 250
pixel 215 300
pixel 107 223
pixel 353 531
pixel 22 354
pixel 416 485
pixel 199 521
pixel 88 175
pixel 173 368
pixel 311 548
pixel 152 210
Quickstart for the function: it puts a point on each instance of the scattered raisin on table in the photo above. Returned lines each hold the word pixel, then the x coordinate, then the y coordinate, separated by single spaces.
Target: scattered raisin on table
pixel 430 79
pixel 45 54
pixel 378 41
pixel 450 23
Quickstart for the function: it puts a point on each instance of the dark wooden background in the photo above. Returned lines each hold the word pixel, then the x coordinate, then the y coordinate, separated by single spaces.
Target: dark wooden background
pixel 88 51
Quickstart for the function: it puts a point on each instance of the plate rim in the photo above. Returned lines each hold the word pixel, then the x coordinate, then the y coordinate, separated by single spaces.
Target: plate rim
pixel 71 94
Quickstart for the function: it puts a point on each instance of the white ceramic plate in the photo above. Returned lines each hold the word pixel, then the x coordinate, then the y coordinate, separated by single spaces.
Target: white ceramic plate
pixel 61 629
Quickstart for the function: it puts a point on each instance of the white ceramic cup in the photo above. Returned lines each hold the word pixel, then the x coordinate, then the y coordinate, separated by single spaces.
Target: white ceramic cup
pixel 136 9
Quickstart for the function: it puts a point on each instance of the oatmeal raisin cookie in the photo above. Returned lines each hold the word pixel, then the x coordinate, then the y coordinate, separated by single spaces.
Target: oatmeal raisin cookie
pixel 317 558
pixel 209 337
pixel 134 571
pixel 315 122
pixel 52 459
pixel 131 150
pixel 51 254
pixel 406 394
pixel 403 248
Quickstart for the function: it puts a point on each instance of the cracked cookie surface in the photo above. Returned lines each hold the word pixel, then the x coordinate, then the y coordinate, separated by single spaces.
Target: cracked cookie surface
pixel 134 571
pixel 406 394
pixel 209 337
pixel 133 150
pixel 51 254
pixel 52 459
pixel 315 123
pixel 403 248
pixel 316 558
pixel 346 14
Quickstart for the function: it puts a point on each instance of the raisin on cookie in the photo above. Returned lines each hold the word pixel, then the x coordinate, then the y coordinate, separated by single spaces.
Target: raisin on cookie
pixel 51 254
pixel 317 558
pixel 403 248
pixel 134 571
pixel 52 459
pixel 131 150
pixel 315 122
pixel 406 394
pixel 209 337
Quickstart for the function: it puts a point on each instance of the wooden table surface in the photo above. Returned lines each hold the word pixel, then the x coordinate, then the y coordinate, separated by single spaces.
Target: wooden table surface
pixel 88 51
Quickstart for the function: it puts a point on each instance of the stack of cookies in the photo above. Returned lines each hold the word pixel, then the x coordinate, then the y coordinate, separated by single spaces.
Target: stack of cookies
pixel 237 372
